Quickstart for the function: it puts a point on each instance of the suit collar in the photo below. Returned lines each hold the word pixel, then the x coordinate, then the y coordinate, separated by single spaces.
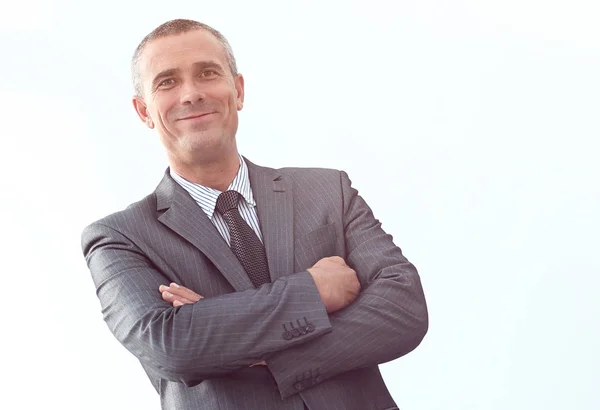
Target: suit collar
pixel 206 197
pixel 178 211
pixel 274 202
pixel 272 192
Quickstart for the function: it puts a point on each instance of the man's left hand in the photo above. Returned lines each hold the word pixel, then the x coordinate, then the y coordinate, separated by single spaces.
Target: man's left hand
pixel 178 295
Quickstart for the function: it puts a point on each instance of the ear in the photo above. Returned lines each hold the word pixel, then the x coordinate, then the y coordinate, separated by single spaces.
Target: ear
pixel 142 111
pixel 239 87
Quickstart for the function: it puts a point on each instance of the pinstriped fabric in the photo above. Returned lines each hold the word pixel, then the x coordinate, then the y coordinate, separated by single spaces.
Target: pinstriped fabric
pixel 198 356
pixel 206 198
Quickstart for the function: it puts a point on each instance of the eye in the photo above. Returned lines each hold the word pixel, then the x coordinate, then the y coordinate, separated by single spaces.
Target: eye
pixel 166 83
pixel 208 73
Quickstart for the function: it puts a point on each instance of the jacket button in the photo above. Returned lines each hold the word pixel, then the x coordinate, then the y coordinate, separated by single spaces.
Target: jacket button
pixel 287 335
pixel 298 386
pixel 310 327
pixel 295 332
pixel 318 379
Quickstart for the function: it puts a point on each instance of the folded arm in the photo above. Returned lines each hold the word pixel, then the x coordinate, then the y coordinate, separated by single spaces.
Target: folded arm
pixel 387 320
pixel 207 339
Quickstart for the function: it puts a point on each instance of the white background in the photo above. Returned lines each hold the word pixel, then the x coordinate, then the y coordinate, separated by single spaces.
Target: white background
pixel 470 127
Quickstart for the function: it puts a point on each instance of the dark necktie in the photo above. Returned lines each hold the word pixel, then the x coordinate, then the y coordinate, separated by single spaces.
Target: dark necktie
pixel 244 243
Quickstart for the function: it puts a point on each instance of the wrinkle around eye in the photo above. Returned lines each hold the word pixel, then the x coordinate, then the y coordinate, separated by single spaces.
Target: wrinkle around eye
pixel 163 84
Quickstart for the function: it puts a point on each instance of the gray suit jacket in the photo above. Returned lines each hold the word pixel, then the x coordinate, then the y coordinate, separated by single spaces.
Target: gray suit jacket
pixel 198 355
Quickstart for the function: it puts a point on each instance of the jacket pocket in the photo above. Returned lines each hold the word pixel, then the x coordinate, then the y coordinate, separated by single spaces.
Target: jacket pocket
pixel 315 245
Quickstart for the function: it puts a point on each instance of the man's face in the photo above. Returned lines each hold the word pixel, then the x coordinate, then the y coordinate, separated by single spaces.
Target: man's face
pixel 190 95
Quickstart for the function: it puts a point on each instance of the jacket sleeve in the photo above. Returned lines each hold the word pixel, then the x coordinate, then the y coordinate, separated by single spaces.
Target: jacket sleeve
pixel 207 339
pixel 387 320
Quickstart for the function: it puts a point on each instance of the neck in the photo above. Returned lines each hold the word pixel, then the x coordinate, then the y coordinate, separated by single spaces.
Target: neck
pixel 216 172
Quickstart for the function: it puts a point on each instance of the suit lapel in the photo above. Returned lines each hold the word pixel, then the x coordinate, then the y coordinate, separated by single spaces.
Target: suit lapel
pixel 186 218
pixel 273 196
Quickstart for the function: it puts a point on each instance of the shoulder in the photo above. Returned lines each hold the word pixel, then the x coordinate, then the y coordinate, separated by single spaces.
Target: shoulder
pixel 310 174
pixel 316 178
pixel 135 213
pixel 297 175
pixel 304 179
pixel 325 181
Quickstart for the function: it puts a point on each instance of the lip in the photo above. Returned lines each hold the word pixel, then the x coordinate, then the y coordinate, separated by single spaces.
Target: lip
pixel 196 116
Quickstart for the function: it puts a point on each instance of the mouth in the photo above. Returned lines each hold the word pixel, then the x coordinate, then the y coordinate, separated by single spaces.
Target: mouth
pixel 196 116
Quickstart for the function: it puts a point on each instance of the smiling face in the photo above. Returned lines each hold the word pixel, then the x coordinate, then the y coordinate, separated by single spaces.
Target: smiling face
pixel 190 96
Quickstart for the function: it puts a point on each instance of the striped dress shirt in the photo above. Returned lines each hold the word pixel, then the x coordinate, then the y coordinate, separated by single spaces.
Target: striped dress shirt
pixel 206 198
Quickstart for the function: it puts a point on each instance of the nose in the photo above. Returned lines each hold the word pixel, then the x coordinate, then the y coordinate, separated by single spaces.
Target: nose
pixel 190 93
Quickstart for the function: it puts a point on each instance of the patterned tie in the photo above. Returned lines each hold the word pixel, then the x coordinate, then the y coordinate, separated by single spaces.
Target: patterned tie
pixel 244 243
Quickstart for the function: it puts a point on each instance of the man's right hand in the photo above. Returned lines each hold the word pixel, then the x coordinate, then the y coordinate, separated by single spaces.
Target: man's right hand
pixel 337 283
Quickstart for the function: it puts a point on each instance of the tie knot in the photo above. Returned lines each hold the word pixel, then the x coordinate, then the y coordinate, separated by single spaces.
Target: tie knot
pixel 227 201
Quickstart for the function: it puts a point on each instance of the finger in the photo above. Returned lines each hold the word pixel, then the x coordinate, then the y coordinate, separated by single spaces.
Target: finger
pixel 328 259
pixel 182 291
pixel 169 297
pixel 337 259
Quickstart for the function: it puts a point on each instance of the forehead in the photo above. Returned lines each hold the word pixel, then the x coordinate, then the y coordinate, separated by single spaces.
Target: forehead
pixel 180 51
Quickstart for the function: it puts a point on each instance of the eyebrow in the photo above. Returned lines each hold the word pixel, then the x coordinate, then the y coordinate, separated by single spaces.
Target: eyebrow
pixel 172 71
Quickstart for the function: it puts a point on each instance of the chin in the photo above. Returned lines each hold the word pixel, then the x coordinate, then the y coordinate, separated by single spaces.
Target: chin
pixel 202 141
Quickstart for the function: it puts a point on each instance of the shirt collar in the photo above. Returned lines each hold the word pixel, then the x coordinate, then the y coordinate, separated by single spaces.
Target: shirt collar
pixel 206 197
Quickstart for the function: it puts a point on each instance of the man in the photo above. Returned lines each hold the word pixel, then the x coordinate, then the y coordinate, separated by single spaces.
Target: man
pixel 239 286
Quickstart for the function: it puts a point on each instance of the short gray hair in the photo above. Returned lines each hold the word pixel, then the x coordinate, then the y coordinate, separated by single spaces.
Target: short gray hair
pixel 170 28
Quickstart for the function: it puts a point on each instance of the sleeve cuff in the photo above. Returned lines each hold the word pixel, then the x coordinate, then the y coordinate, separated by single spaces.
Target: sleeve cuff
pixel 284 371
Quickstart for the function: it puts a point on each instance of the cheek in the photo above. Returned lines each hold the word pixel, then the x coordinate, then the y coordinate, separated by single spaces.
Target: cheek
pixel 165 109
